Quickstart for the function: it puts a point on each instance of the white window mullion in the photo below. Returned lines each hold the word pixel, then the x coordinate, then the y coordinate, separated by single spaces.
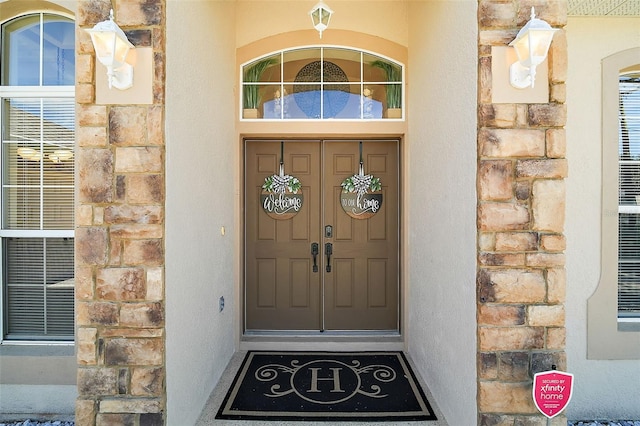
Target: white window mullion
pixel 44 284
pixel 41 212
pixel 322 83
pixel 26 233
pixel 41 64
pixel 361 86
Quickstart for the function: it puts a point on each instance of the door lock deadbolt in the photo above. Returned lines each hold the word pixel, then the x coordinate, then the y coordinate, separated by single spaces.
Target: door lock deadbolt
pixel 328 231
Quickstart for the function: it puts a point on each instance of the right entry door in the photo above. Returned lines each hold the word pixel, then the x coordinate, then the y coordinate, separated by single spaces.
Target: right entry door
pixel 361 289
pixel 356 283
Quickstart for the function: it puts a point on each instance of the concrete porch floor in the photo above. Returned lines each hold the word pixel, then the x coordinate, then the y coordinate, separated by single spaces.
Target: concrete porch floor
pixel 207 417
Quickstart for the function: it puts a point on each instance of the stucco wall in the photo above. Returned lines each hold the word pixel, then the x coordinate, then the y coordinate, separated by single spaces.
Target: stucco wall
pixel 259 19
pixel 441 177
pixel 201 198
pixel 603 388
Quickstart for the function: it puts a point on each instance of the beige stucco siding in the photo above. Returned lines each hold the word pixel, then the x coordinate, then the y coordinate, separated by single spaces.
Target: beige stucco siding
pixel 613 384
pixel 440 184
pixel 202 154
pixel 258 19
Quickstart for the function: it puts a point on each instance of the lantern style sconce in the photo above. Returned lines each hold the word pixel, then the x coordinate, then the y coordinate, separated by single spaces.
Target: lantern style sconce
pixel 531 45
pixel 112 48
pixel 320 16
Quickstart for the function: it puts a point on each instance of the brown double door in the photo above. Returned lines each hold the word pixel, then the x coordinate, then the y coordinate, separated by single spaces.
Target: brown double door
pixel 356 286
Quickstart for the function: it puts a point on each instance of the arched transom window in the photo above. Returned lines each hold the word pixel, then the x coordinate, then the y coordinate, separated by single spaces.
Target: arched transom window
pixel 321 83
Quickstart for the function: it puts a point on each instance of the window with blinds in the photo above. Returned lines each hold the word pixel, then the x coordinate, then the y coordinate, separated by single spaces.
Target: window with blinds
pixel 629 196
pixel 37 118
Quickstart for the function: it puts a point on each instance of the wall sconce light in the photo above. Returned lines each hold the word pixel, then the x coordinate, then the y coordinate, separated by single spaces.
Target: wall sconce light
pixel 320 16
pixel 531 45
pixel 112 48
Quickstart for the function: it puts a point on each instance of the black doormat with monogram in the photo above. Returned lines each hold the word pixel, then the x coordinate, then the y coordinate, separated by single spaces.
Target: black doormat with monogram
pixel 325 386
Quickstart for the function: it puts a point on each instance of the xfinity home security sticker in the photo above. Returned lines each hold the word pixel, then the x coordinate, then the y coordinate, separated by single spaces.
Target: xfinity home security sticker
pixel 552 392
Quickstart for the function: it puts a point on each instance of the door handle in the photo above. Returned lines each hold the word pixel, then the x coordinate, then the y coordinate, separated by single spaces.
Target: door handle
pixel 314 253
pixel 328 250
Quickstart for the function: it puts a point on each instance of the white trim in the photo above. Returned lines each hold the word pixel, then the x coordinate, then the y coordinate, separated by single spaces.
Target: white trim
pixel 37 342
pixel 37 233
pixel 37 91
pixel 27 12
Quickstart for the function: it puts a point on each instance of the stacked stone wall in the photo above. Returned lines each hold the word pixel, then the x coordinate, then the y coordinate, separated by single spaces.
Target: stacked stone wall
pixel 521 204
pixel 120 310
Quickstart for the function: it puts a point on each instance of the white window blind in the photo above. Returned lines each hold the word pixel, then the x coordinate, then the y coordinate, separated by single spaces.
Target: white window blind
pixel 38 163
pixel 629 196
pixel 39 282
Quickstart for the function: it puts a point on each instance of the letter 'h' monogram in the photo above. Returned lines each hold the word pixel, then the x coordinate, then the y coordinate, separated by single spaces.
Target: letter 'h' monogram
pixel 335 378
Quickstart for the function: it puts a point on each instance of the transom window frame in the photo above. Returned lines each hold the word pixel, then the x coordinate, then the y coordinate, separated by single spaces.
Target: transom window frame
pixel 364 96
pixel 35 92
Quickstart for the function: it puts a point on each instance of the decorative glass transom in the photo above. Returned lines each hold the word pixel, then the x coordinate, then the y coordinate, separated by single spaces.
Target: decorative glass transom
pixel 322 83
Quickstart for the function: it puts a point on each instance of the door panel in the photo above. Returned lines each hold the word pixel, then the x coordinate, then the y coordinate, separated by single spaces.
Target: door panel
pixel 282 291
pixel 360 292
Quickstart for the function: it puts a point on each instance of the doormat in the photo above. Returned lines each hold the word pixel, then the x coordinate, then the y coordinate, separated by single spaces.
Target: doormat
pixel 325 386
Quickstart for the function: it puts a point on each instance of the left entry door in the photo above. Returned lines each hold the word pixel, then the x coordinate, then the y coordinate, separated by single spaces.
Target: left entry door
pixel 282 291
pixel 351 282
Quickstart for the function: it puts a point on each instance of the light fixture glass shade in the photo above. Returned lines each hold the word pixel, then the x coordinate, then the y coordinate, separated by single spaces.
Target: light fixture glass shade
pixel 60 155
pixel 320 16
pixel 29 154
pixel 531 45
pixel 112 47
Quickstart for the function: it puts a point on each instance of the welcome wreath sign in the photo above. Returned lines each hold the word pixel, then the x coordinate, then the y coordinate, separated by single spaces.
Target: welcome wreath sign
pixel 281 196
pixel 361 196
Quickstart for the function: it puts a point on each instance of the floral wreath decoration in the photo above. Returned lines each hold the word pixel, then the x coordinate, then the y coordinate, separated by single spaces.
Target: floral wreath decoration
pixel 282 183
pixel 361 183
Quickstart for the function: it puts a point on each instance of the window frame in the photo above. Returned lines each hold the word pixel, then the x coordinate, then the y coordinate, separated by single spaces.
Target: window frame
pixel 628 185
pixel 607 337
pixel 35 92
pixel 322 48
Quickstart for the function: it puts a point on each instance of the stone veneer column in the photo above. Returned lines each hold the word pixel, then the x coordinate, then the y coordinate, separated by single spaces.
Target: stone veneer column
pixel 521 203
pixel 120 231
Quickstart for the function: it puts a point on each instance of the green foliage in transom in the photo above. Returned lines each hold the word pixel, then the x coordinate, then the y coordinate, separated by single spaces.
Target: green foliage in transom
pixel 252 74
pixel 393 73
